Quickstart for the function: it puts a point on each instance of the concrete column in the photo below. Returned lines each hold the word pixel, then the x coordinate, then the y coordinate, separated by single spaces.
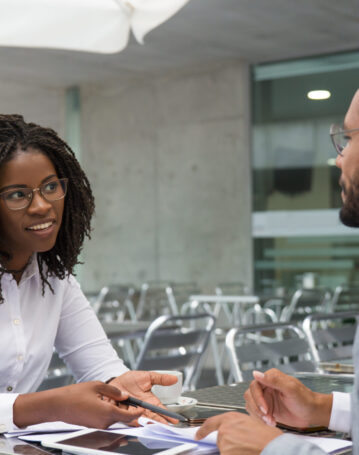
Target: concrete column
pixel 169 160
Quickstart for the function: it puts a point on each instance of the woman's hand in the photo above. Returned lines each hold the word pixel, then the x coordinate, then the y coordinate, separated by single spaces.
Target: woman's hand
pixel 80 404
pixel 139 383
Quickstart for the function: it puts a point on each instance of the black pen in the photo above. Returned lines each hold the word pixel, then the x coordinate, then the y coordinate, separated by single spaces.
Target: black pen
pixel 131 401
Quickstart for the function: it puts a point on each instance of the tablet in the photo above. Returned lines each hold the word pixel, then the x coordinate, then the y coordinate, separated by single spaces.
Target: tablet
pixel 98 442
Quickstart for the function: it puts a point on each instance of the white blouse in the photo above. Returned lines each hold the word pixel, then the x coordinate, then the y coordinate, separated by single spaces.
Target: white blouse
pixel 32 324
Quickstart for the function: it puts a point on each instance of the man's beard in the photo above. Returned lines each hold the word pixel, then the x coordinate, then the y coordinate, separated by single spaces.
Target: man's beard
pixel 349 213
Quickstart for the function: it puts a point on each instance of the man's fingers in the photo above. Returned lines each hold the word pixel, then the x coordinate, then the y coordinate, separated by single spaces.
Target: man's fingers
pixel 259 404
pixel 251 405
pixel 273 378
pixel 162 379
pixel 209 425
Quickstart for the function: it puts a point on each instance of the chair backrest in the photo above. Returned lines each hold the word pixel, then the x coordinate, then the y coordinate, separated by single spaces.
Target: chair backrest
pixel 179 293
pixel 260 347
pixel 58 374
pixel 229 310
pixel 153 301
pixel 96 299
pixel 331 336
pixel 176 343
pixel 345 298
pixel 304 302
pixel 117 304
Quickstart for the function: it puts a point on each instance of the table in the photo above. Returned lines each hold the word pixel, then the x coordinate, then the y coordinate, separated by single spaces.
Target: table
pixel 226 397
pixel 340 366
pixel 230 397
pixel 126 329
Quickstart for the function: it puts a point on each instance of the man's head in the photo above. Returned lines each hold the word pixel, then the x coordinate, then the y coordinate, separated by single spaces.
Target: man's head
pixel 348 163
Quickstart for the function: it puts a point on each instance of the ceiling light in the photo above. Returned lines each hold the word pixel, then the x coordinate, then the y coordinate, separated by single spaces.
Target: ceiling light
pixel 319 94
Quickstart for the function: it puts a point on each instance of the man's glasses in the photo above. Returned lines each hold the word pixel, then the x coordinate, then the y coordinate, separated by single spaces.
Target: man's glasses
pixel 20 198
pixel 340 137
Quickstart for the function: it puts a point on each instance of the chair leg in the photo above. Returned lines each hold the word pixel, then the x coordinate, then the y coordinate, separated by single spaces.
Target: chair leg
pixel 217 359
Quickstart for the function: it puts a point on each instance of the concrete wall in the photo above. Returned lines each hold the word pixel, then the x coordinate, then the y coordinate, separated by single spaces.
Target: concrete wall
pixel 168 157
pixel 38 104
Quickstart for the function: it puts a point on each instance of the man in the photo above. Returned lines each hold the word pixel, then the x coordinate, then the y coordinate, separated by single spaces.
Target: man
pixel 275 397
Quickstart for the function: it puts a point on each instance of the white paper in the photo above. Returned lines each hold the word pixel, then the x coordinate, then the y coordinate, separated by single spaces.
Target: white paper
pixel 152 429
pixel 329 445
pixel 53 428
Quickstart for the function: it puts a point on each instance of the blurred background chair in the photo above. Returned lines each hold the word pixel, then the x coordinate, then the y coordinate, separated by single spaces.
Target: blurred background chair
pixel 58 375
pixel 304 302
pixel 230 311
pixel 283 346
pixel 115 303
pixel 331 336
pixel 153 301
pixel 345 298
pixel 177 343
pixel 178 294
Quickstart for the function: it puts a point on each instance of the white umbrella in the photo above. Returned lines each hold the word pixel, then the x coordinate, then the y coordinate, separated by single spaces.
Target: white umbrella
pixel 81 25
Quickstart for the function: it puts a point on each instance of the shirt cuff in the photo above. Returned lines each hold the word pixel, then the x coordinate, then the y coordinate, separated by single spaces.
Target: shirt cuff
pixel 6 411
pixel 291 444
pixel 340 418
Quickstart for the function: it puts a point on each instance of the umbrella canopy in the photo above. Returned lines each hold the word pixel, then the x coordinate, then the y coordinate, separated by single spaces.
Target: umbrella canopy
pixel 81 25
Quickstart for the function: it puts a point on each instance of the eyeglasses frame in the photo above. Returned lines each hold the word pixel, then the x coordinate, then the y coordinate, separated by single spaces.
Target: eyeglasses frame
pixel 64 180
pixel 333 134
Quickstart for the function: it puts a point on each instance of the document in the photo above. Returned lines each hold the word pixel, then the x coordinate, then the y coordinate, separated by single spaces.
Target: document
pixel 52 428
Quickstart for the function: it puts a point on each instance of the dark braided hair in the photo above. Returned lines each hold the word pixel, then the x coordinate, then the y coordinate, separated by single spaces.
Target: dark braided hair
pixel 16 134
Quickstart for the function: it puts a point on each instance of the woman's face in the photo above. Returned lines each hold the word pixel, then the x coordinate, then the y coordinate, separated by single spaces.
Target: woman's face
pixel 34 228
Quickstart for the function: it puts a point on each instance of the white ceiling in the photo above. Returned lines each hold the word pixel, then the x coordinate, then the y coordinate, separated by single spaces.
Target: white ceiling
pixel 203 32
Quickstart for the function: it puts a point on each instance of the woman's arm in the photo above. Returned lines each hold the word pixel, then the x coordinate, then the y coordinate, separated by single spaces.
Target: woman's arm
pixel 80 404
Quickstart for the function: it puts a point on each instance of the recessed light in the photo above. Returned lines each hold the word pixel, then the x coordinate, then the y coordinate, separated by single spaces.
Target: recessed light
pixel 319 94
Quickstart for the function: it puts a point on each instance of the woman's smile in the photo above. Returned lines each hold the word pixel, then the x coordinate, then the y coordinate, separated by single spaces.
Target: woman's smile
pixel 34 228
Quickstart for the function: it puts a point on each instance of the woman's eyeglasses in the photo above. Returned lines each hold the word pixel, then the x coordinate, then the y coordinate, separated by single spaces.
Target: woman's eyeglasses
pixel 21 198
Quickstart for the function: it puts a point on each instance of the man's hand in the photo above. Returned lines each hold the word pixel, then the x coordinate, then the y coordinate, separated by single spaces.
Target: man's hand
pixel 276 397
pixel 139 383
pixel 238 433
pixel 80 404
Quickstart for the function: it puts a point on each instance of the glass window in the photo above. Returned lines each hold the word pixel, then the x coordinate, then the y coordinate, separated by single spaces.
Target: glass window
pixel 294 171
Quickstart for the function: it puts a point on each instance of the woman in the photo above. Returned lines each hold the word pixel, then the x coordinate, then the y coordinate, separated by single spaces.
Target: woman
pixel 46 205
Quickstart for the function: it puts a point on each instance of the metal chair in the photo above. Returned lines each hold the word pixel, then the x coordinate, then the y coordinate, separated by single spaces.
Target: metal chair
pixel 179 293
pixel 283 346
pixel 304 302
pixel 345 298
pixel 117 304
pixel 331 336
pixel 177 343
pixel 230 311
pixel 58 375
pixel 153 301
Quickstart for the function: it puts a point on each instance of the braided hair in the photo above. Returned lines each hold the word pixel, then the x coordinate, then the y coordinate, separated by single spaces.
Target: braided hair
pixel 79 205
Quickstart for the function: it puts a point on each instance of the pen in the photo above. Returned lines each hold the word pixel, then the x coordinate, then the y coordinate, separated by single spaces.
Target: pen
pixel 131 401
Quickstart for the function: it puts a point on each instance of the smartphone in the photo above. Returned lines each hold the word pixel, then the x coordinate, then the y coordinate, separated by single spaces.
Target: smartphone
pixel 96 442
